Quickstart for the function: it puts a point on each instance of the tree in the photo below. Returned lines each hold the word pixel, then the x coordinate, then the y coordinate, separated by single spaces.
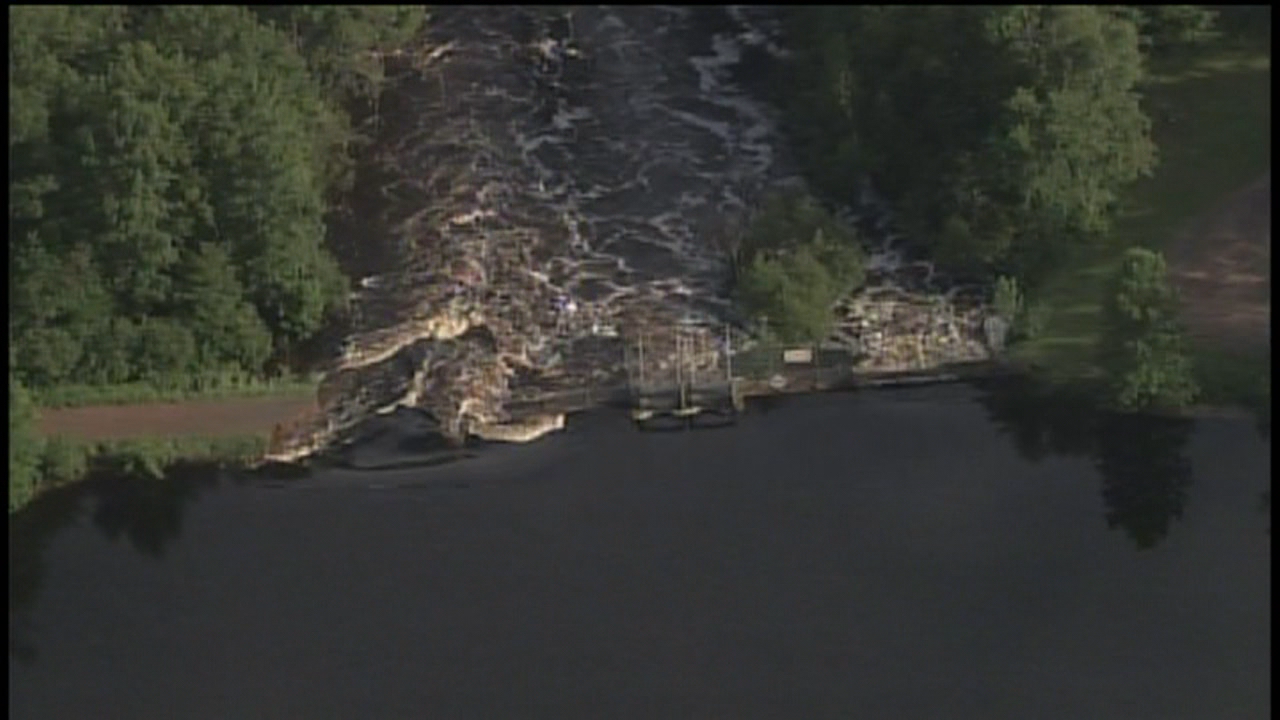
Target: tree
pixel 1141 348
pixel 1075 133
pixel 165 352
pixel 791 220
pixel 1000 134
pixel 226 327
pixel 109 353
pixel 795 261
pixel 340 42
pixel 24 446
pixel 793 292
pixel 138 170
pixel 152 146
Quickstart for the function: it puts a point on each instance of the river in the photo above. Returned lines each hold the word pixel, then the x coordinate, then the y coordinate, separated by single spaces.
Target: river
pixel 957 552
pixel 526 162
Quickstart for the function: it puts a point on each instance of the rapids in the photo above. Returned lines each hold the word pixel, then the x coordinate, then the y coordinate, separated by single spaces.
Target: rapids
pixel 532 161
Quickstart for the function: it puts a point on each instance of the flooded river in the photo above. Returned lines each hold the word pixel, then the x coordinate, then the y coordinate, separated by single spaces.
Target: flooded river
pixel 946 552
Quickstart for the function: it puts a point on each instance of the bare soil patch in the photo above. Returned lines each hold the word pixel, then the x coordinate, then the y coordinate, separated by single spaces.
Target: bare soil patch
pixel 1222 268
pixel 240 416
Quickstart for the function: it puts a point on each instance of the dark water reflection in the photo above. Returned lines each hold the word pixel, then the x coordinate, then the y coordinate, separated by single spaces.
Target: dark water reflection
pixel 884 553
pixel 1141 460
pixel 144 512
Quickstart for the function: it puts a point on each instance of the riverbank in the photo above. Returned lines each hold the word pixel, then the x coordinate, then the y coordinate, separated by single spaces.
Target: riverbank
pixel 150 438
pixel 65 461
pixel 1207 207
pixel 213 389
pixel 216 432
pixel 606 565
pixel 211 418
pixel 799 381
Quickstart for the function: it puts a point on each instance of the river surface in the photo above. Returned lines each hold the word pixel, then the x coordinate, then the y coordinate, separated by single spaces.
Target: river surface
pixel 949 552
pixel 528 163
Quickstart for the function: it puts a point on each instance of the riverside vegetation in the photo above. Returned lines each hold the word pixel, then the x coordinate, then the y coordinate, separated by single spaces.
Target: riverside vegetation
pixel 171 169
pixel 1010 141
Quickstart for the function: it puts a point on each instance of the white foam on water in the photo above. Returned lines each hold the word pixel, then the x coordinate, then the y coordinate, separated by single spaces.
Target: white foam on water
pixel 566 117
pixel 619 185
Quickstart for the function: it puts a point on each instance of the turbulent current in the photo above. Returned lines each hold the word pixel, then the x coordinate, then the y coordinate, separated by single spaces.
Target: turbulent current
pixel 547 182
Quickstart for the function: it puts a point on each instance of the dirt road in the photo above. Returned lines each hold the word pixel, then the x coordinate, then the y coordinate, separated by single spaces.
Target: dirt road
pixel 1222 268
pixel 240 416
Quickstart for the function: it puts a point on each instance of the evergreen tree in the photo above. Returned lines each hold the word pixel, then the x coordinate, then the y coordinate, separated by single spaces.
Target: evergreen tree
pixel 1142 346
pixel 794 262
pixel 340 42
pixel 226 327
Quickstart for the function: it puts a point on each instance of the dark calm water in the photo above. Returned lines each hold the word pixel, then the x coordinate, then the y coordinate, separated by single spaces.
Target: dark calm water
pixel 933 553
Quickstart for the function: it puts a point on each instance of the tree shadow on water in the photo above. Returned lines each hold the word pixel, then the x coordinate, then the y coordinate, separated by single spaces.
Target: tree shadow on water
pixel 1042 422
pixel 1141 459
pixel 147 511
pixel 1145 474
pixel 30 532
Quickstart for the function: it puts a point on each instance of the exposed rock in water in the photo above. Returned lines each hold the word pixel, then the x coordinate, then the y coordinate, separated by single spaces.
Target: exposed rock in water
pixel 521 431
pixel 551 188
pixel 894 330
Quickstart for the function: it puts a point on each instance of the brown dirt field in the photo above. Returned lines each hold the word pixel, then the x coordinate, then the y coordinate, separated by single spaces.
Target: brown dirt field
pixel 1222 269
pixel 241 416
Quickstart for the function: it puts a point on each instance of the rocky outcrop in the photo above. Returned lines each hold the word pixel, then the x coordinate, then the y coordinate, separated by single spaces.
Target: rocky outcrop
pixel 892 330
pixel 520 431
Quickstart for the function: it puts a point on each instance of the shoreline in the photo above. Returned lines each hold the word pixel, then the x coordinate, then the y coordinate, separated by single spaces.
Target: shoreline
pixel 158 454
pixel 803 381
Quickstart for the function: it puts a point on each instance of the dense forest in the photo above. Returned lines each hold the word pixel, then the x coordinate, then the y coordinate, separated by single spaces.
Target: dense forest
pixel 170 172
pixel 1002 136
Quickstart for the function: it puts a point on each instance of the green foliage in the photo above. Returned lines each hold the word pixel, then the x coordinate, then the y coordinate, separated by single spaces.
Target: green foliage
pixel 793 220
pixel 1001 134
pixel 1142 346
pixel 793 292
pixel 109 355
pixel 24 446
pixel 794 262
pixel 1211 109
pixel 152 457
pixel 1007 299
pixel 63 461
pixel 1026 319
pixel 165 351
pixel 227 328
pixel 206 385
pixel 47 355
pixel 336 40
pixel 169 167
